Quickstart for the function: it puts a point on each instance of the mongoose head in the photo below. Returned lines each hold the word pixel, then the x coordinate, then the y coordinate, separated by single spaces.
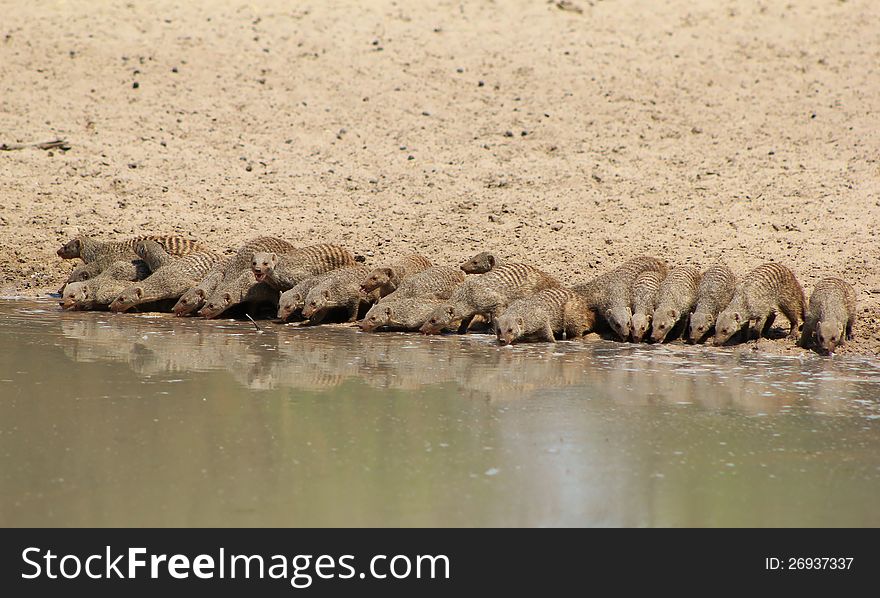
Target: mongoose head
pixel 189 302
pixel 290 302
pixel 379 315
pixel 262 264
pixel 70 250
pixel 479 264
pixel 509 329
pixel 729 322
pixel 376 279
pixel 320 297
pixel 620 320
pixel 701 323
pixel 216 305
pixel 640 324
pixel 442 317
pixel 828 335
pixel 128 298
pixel 663 321
pixel 74 295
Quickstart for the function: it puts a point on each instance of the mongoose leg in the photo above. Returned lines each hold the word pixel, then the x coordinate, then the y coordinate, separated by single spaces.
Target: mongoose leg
pixel 353 308
pixel 546 333
pixel 849 327
pixel 757 327
pixel 792 317
pixel 770 319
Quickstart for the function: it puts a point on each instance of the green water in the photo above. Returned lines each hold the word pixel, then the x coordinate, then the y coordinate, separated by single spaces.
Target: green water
pixel 138 420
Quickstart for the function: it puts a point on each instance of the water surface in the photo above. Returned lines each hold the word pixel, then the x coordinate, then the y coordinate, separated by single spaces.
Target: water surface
pixel 149 420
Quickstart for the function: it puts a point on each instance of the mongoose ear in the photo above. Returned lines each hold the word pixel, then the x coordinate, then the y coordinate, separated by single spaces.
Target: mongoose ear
pixel 139 292
pixel 673 314
pixel 520 322
pixel 227 297
pixel 736 316
pixel 200 293
pixel 388 272
pixel 84 276
pixel 450 311
pixel 78 244
pixel 274 257
pixel 388 312
pixel 491 261
pixel 327 294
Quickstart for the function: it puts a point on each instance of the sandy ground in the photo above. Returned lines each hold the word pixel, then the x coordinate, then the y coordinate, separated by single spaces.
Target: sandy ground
pixel 695 130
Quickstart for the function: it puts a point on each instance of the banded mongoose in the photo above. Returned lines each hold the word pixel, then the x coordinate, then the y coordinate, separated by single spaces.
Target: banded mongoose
pixel 644 300
pixel 243 290
pixel 764 291
pixel 284 271
pixel 99 292
pixel 386 279
pixel 481 263
pixel 717 286
pixel 89 250
pixel 830 315
pixel 675 301
pixel 401 313
pixel 341 288
pixel 293 300
pixel 610 294
pixel 544 315
pixel 168 282
pixel 229 270
pixel 438 282
pixel 487 295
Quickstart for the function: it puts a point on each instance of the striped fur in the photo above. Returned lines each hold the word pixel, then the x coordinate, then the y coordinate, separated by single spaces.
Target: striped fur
pixel 544 315
pixel 487 295
pixel 717 286
pixel 610 294
pixel 438 282
pixel 481 263
pixel 168 282
pixel 386 279
pixel 644 300
pixel 766 290
pixel 830 315
pixel 675 301
pixel 284 271
pixel 89 250
pixel 340 288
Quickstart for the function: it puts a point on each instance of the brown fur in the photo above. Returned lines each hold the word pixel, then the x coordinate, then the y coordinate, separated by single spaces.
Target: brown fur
pixel 544 315
pixel 717 286
pixel 481 263
pixel 766 290
pixel 644 294
pixel 386 279
pixel 675 301
pixel 830 315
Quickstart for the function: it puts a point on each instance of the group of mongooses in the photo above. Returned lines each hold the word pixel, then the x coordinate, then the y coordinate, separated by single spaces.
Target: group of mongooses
pixel 642 299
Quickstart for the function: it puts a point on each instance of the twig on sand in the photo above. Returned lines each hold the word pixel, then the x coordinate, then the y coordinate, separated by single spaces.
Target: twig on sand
pixel 44 145
pixel 254 323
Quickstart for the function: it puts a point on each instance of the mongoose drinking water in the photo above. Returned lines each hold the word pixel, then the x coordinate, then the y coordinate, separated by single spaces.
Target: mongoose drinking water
pixel 168 282
pixel 487 295
pixel 544 315
pixel 610 294
pixel 644 300
pixel 401 313
pixel 481 263
pixel 243 290
pixel 293 300
pixel 675 300
pixel 340 288
pixel 830 315
pixel 764 291
pixel 98 292
pixel 228 270
pixel 89 250
pixel 386 279
pixel 284 271
pixel 438 282
pixel 715 293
